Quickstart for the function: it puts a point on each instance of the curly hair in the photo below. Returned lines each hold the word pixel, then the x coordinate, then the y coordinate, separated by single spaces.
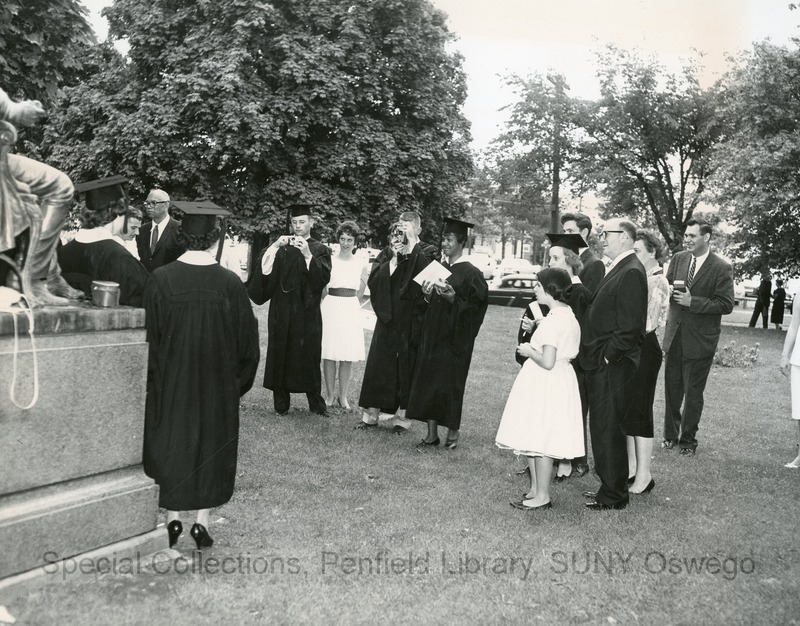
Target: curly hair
pixel 100 217
pixel 555 282
pixel 651 243
pixel 348 227
pixel 197 242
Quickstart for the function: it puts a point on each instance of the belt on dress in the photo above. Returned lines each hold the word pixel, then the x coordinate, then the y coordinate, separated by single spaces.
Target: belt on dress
pixel 341 292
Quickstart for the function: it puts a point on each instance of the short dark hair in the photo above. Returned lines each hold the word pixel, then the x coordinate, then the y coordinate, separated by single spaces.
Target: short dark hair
pixel 102 216
pixel 705 227
pixel 461 236
pixel 581 221
pixel 555 282
pixel 651 242
pixel 348 227
pixel 197 242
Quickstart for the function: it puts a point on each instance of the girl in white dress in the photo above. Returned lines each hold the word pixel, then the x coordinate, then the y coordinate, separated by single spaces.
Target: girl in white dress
pixel 790 366
pixel 542 418
pixel 342 328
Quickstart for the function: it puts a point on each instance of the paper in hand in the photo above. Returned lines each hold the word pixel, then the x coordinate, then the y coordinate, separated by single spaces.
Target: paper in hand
pixel 535 310
pixel 433 272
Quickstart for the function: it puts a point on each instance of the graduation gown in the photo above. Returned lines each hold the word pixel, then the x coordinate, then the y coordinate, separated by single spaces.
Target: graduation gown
pixel 294 325
pixel 204 353
pixel 399 308
pixel 81 263
pixel 445 348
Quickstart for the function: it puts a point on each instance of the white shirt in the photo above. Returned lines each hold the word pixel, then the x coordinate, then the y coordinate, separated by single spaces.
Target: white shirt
pixel 699 260
pixel 162 226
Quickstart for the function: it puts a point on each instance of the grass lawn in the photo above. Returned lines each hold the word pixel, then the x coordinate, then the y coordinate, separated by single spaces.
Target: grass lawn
pixel 321 511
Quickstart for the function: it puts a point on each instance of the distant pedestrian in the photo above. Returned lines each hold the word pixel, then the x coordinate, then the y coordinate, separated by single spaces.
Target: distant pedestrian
pixel 778 305
pixel 762 301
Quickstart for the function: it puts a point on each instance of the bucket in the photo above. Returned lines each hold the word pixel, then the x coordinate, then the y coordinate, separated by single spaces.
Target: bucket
pixel 105 293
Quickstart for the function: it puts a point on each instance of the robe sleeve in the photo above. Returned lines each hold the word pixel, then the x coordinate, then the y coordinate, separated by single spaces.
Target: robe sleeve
pixel 257 285
pixel 468 309
pixel 247 336
pixel 319 270
pixel 380 291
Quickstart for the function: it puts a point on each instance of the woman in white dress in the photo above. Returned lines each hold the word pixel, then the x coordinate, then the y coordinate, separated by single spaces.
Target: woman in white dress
pixel 342 328
pixel 542 417
pixel 790 366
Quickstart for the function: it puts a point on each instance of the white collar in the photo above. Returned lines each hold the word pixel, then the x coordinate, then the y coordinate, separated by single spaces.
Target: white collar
pixel 92 235
pixel 197 257
pixel 576 281
pixel 163 222
pixel 619 258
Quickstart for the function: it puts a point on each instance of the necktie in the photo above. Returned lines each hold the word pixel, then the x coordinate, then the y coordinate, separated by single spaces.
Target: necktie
pixel 690 278
pixel 154 239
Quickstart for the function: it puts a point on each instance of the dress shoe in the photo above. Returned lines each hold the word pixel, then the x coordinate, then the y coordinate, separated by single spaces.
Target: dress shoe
pixel 399 430
pixel 590 494
pixel 647 489
pixel 451 444
pixel 599 506
pixel 520 504
pixel 201 536
pixel 286 412
pixel 428 444
pixel 669 443
pixel 687 451
pixel 581 470
pixel 174 530
pixel 364 425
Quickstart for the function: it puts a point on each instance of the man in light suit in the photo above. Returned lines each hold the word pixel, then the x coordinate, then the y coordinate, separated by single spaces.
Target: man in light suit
pixel 156 241
pixel 613 329
pixel 702 284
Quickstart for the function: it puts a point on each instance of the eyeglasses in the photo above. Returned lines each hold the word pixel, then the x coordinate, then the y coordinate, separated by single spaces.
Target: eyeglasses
pixel 155 202
pixel 603 233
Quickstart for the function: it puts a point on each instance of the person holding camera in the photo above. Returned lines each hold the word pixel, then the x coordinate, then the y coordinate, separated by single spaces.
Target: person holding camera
pixel 397 302
pixel 294 271
pixel 702 292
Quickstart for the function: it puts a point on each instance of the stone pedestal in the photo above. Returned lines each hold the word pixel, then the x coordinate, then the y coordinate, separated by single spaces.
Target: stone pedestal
pixel 71 479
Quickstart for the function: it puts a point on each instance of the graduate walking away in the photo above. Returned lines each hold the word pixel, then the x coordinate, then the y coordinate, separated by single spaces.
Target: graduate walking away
pixel 456 308
pixel 291 274
pixel 204 353
pixel 542 419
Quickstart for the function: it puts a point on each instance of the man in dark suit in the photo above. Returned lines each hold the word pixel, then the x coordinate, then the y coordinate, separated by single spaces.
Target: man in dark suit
pixel 702 293
pixel 763 297
pixel 613 328
pixel 156 241
pixel 593 268
pixel 291 274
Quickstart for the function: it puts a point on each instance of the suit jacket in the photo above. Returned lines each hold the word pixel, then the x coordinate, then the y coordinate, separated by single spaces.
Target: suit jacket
pixel 712 297
pixel 167 249
pixel 614 324
pixel 593 270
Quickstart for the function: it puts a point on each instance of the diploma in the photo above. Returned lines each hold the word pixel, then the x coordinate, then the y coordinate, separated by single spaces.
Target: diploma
pixel 535 310
pixel 434 272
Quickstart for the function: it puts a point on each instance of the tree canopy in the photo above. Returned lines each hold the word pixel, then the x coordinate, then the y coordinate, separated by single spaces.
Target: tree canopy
pixel 757 178
pixel 352 106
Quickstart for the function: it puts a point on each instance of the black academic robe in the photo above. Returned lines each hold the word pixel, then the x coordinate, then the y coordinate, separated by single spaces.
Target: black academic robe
pixel 445 348
pixel 399 309
pixel 81 263
pixel 294 291
pixel 203 341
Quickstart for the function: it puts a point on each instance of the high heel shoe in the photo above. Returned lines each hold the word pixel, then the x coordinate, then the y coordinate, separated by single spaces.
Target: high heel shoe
pixel 647 489
pixel 174 530
pixel 201 536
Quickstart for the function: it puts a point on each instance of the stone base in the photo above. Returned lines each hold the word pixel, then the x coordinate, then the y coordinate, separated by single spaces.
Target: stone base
pixel 51 523
pixel 127 556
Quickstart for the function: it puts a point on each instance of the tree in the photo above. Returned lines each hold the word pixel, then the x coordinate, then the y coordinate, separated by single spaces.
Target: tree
pixel 757 173
pixel 353 106
pixel 648 141
pixel 534 154
pixel 42 46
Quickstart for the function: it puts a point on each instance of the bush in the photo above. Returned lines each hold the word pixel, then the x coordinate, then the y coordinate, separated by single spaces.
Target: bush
pixel 732 355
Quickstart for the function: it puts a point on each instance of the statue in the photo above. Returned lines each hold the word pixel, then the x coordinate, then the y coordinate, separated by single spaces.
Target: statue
pixel 36 198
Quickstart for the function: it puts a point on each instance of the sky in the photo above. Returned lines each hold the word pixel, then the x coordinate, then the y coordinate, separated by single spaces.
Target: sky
pixel 522 37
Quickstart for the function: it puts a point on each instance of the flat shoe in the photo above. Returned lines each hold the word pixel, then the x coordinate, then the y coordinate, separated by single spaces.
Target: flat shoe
pixel 599 506
pixel 451 445
pixel 427 444
pixel 520 504
pixel 669 444
pixel 687 451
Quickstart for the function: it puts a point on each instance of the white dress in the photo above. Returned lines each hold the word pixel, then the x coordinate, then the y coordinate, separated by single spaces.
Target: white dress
pixel 543 411
pixel 342 325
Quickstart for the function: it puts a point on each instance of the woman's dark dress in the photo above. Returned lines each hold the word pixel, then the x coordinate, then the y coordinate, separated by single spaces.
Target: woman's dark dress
pixel 204 352
pixel 778 306
pixel 445 349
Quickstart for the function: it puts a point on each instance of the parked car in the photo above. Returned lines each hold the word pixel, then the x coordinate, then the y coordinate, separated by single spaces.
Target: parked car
pixel 484 262
pixel 516 266
pixel 512 290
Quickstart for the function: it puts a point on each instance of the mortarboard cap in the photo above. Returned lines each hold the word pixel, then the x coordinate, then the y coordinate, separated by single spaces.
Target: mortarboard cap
pixel 200 217
pixel 296 210
pixel 570 241
pixel 100 193
pixel 457 227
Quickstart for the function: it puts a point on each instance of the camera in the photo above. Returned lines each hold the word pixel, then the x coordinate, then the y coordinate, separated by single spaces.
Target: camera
pixel 679 285
pixel 399 235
